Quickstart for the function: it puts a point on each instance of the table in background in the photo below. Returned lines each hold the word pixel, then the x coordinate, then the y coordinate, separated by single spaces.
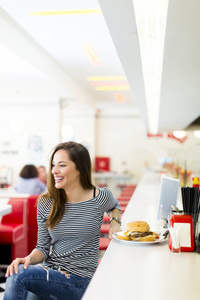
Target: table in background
pixel 145 271
pixel 4 198
pixel 5 209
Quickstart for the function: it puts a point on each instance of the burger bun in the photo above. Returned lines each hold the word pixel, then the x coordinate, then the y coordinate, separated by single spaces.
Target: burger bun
pixel 137 226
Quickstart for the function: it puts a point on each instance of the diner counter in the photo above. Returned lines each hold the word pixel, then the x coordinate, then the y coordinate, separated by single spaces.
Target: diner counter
pixel 145 271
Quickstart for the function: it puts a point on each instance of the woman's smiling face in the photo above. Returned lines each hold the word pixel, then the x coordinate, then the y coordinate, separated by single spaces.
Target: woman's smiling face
pixel 64 170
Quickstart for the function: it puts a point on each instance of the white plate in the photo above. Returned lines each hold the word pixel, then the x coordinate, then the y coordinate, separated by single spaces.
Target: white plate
pixel 160 240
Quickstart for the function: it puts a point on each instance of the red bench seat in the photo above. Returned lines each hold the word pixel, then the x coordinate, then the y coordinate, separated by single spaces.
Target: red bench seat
pixel 13 228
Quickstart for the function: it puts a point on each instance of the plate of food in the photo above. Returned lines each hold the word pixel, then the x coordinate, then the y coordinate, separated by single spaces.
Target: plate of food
pixel 138 232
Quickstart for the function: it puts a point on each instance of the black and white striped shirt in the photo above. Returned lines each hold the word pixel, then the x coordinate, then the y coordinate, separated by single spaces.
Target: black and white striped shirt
pixel 75 240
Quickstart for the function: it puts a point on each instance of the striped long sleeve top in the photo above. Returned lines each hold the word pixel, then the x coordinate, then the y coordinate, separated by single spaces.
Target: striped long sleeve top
pixel 74 242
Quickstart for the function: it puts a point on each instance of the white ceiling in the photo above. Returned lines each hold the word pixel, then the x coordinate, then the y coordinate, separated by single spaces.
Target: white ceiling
pixel 43 56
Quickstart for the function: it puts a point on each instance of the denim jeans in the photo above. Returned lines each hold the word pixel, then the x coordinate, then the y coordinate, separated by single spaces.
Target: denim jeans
pixel 37 283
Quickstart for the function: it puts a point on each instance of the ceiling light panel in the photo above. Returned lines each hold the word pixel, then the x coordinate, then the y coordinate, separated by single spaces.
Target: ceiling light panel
pixel 119 98
pixel 91 53
pixel 66 12
pixel 151 16
pixel 109 83
pixel 105 78
pixel 112 88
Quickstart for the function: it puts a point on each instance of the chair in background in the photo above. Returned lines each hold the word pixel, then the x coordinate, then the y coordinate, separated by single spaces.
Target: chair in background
pixel 14 231
pixel 32 222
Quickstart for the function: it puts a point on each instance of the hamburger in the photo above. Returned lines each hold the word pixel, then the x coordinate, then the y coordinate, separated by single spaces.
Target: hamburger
pixel 138 231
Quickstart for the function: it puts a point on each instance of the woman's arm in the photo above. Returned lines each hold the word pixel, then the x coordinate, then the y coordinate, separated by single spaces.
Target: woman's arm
pixel 35 257
pixel 115 222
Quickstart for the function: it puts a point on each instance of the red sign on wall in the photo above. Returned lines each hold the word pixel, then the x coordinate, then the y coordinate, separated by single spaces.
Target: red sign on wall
pixel 102 164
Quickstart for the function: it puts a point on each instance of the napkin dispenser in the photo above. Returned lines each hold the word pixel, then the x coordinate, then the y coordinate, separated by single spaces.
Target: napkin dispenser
pixel 184 223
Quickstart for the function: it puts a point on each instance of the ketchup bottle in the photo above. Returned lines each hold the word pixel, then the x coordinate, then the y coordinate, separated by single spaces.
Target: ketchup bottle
pixel 195 182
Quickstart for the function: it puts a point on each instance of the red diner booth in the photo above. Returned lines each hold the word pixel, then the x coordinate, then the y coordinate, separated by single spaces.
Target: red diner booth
pixel 14 231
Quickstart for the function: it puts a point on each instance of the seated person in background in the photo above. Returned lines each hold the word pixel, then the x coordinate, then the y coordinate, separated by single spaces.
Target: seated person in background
pixel 28 181
pixel 42 174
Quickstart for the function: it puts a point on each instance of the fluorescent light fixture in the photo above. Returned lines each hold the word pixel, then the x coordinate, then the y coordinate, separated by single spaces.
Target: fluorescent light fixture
pixel 66 12
pixel 94 58
pixel 197 134
pixel 179 134
pixel 112 88
pixel 151 16
pixel 106 78
pixel 111 83
pixel 119 97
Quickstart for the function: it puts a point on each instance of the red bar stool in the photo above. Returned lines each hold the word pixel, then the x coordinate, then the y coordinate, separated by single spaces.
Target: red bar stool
pixel 127 193
pixel 129 188
pixel 105 229
pixel 123 208
pixel 121 185
pixel 124 202
pixel 123 198
pixel 106 219
pixel 103 244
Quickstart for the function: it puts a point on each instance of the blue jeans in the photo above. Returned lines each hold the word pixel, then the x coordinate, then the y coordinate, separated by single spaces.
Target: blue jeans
pixel 37 283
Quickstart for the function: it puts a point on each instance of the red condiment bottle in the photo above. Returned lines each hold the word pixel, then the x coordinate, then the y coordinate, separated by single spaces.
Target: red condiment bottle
pixel 195 182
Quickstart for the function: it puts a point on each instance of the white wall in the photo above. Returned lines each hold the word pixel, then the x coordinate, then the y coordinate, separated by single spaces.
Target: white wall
pixel 78 124
pixel 21 121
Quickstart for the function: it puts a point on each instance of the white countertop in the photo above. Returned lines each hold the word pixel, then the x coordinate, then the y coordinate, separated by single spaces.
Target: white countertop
pixel 12 194
pixel 145 271
pixel 5 209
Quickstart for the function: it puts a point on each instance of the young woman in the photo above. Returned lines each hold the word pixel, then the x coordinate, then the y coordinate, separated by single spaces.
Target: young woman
pixel 69 217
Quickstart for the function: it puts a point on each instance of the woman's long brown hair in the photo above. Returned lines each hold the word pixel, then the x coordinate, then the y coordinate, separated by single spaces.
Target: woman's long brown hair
pixel 81 158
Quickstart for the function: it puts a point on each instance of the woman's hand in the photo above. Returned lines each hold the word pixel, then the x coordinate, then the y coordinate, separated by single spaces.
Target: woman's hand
pixel 13 267
pixel 114 227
